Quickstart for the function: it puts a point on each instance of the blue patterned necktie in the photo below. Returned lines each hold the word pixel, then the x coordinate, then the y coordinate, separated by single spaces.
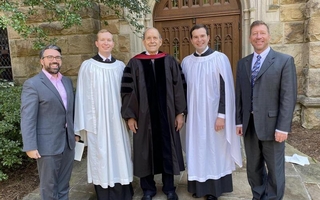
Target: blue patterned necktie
pixel 254 73
pixel 255 70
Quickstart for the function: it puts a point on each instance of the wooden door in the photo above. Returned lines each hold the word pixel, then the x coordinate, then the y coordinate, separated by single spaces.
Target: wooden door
pixel 225 37
pixel 175 38
pixel 175 18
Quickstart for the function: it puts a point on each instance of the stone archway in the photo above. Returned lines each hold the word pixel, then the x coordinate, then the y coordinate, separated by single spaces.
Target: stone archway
pixel 248 9
pixel 249 14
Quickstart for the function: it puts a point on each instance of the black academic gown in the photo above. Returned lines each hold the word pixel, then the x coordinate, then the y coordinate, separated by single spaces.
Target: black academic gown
pixel 154 96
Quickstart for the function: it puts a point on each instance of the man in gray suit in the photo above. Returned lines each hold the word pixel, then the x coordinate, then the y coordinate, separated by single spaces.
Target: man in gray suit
pixel 47 102
pixel 266 92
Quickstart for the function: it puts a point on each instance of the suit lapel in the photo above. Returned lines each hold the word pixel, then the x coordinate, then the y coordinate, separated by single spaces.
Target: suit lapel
pixel 51 87
pixel 68 91
pixel 267 63
pixel 248 66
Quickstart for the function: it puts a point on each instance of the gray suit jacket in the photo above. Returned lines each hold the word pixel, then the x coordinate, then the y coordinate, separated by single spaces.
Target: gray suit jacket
pixel 44 117
pixel 274 94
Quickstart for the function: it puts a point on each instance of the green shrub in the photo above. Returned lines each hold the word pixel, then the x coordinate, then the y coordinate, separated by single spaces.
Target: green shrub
pixel 10 137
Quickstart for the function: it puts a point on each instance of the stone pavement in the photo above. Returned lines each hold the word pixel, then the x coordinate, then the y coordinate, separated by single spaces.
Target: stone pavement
pixel 302 183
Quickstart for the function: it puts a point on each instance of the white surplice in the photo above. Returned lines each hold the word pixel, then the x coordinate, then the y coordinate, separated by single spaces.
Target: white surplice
pixel 210 154
pixel 99 122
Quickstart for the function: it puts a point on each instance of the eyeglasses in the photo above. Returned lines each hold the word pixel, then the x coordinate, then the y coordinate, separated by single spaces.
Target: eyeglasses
pixel 50 58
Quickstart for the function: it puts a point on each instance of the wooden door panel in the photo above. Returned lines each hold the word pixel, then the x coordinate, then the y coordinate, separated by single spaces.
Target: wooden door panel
pixel 174 9
pixel 224 36
pixel 175 37
pixel 175 18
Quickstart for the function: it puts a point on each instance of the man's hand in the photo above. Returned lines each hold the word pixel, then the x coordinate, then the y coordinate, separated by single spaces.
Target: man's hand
pixel 179 122
pixel 239 131
pixel 33 154
pixel 219 124
pixel 280 137
pixel 132 124
pixel 77 137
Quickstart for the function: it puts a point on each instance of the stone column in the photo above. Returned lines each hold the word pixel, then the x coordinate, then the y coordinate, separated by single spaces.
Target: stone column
pixel 310 99
pixel 136 39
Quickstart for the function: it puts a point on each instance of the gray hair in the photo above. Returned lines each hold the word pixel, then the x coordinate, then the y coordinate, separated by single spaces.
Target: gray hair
pixel 147 29
pixel 50 46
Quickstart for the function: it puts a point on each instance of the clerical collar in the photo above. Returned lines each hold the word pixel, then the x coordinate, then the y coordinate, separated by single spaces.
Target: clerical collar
pixel 104 58
pixel 145 56
pixel 203 51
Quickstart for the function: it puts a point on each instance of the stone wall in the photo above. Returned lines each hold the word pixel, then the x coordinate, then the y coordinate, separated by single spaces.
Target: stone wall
pixel 294 27
pixel 304 28
pixel 310 100
pixel 297 33
pixel 292 17
pixel 77 44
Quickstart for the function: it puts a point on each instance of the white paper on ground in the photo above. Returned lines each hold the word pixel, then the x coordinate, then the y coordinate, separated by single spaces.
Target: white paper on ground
pixel 78 151
pixel 300 160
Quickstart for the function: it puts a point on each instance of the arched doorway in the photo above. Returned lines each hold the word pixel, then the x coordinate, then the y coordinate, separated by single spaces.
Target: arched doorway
pixel 174 19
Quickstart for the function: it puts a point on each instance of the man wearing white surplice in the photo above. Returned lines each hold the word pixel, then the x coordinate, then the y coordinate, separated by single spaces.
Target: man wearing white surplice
pixel 99 121
pixel 212 147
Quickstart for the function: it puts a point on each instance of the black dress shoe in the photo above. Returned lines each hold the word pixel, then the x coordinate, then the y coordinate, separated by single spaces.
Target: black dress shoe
pixel 146 197
pixel 211 197
pixel 172 196
pixel 194 195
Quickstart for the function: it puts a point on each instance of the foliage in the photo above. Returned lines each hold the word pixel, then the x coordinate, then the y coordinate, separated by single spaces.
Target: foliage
pixel 10 137
pixel 67 12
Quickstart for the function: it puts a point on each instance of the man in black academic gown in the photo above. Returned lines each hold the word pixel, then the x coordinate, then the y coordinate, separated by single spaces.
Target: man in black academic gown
pixel 153 103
